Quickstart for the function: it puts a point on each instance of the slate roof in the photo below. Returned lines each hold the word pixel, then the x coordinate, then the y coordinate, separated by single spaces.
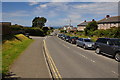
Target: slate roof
pixel 114 19
pixel 84 23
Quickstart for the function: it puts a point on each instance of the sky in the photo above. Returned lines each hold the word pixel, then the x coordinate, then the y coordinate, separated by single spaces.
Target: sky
pixel 57 13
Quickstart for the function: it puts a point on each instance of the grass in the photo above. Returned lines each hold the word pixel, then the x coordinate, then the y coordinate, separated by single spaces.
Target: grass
pixel 11 49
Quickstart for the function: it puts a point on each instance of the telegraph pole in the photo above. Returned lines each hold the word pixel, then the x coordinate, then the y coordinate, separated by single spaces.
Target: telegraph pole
pixel 70 22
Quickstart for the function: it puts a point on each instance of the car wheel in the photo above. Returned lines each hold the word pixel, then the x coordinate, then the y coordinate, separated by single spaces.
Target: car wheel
pixel 84 46
pixel 117 57
pixel 77 44
pixel 97 50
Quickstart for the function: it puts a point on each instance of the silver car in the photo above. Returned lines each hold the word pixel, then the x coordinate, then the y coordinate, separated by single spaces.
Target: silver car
pixel 85 43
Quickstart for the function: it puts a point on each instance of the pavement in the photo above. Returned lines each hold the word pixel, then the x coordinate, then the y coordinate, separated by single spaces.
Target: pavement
pixel 31 63
pixel 75 62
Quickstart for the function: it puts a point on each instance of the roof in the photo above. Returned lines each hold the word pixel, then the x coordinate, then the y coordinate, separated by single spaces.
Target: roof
pixel 114 19
pixel 83 23
pixel 68 26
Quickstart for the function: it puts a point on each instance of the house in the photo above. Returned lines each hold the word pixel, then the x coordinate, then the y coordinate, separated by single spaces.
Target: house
pixel 67 28
pixel 4 27
pixel 5 24
pixel 109 22
pixel 74 29
pixel 82 26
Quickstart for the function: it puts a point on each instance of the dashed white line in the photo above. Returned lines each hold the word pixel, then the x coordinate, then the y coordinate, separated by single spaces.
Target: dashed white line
pixel 93 61
pixel 115 72
pixel 65 46
pixel 85 57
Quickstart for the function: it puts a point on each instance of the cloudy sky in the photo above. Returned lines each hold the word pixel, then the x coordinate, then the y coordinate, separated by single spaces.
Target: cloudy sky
pixel 57 13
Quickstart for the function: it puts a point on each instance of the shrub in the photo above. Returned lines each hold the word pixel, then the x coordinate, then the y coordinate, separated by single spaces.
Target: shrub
pixel 111 33
pixel 34 31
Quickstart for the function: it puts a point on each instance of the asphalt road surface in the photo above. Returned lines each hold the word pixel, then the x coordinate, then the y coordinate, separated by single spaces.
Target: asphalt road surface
pixel 75 62
pixel 31 63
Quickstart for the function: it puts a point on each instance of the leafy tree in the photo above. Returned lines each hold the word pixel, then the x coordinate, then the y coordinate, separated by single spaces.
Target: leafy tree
pixel 45 29
pixel 92 26
pixel 39 22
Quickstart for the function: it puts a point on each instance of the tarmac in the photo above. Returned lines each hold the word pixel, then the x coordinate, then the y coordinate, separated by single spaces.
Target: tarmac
pixel 31 63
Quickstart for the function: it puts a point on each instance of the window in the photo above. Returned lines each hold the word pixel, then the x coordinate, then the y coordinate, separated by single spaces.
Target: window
pixel 102 40
pixel 87 40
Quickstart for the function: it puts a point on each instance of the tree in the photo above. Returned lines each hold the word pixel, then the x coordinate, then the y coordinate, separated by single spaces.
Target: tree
pixel 92 26
pixel 39 22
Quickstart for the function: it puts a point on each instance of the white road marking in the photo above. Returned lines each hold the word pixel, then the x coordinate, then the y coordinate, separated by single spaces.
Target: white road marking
pixel 84 56
pixel 65 46
pixel 93 61
pixel 115 73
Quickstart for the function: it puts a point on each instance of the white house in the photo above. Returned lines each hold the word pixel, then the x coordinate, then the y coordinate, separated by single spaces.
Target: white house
pixel 109 22
pixel 67 27
pixel 82 26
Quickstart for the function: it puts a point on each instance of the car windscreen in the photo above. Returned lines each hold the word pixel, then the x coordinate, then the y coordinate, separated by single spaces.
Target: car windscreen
pixel 116 41
pixel 87 40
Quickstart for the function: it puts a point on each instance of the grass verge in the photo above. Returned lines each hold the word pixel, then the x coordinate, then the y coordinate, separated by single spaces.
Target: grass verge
pixel 11 49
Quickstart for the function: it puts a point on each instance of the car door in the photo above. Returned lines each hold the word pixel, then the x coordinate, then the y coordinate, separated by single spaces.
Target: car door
pixel 109 48
pixel 81 41
pixel 77 41
pixel 102 45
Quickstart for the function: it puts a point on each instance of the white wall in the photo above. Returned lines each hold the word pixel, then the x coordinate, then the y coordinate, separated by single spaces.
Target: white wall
pixel 107 26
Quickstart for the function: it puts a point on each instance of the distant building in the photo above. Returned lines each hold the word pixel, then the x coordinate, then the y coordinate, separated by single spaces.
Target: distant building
pixel 109 22
pixel 67 27
pixel 82 26
pixel 5 24
pixel 5 27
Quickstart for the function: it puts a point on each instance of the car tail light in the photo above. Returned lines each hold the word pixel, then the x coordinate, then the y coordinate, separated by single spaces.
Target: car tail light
pixel 72 39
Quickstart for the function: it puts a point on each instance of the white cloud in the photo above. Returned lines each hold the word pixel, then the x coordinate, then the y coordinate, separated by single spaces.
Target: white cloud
pixel 43 6
pixel 33 3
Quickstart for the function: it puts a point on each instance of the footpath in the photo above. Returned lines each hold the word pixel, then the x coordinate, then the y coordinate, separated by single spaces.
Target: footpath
pixel 31 63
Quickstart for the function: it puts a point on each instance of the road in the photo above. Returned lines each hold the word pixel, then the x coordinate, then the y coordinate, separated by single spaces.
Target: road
pixel 75 62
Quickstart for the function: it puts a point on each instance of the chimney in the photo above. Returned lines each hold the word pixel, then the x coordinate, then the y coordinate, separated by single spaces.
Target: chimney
pixel 85 21
pixel 93 19
pixel 107 16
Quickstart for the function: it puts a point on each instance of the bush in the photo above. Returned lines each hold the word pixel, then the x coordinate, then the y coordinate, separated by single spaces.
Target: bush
pixel 63 31
pixel 16 27
pixel 34 31
pixel 111 33
pixel 92 26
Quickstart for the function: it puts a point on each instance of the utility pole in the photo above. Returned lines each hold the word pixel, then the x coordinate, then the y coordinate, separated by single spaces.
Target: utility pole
pixel 70 22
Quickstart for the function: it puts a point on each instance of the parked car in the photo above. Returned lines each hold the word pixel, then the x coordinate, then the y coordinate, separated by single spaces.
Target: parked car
pixel 108 46
pixel 59 35
pixel 73 40
pixel 27 35
pixel 67 38
pixel 85 43
pixel 63 37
